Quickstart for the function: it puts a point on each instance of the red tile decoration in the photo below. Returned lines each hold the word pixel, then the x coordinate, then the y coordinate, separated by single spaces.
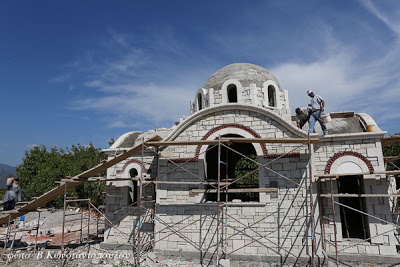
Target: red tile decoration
pixel 130 162
pixel 237 126
pixel 347 153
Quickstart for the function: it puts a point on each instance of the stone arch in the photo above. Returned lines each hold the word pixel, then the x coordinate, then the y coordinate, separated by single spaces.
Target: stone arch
pixel 353 162
pixel 231 128
pixel 132 163
pixel 224 90
pixel 235 107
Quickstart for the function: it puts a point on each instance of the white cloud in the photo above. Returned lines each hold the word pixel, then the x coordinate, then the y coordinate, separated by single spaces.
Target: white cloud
pixel 347 79
pixel 125 96
pixel 129 103
pixel 388 19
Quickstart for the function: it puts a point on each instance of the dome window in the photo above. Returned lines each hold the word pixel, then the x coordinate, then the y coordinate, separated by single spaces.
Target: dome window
pixel 199 102
pixel 232 94
pixel 271 96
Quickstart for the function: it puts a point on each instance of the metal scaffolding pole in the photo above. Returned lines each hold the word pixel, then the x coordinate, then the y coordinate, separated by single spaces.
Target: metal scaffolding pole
pixel 138 247
pixel 155 198
pixel 334 222
pixel 63 223
pixel 226 203
pixel 311 201
pixel 218 195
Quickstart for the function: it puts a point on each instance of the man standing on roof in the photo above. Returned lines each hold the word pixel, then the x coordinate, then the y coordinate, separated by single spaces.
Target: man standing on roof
pixel 317 107
pixel 12 195
pixel 302 116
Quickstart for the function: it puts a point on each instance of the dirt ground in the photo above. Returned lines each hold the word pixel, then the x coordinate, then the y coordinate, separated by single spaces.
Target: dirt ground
pixel 93 255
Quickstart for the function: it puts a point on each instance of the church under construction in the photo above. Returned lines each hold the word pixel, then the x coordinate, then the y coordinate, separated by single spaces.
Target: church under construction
pixel 238 180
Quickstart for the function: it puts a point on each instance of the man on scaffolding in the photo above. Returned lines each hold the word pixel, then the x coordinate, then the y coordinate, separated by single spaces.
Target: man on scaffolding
pixel 12 195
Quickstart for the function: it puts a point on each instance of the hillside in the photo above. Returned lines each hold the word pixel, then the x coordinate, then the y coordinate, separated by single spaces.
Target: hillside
pixel 4 171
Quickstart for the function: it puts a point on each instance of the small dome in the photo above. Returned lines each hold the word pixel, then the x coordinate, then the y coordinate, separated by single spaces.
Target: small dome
pixel 245 73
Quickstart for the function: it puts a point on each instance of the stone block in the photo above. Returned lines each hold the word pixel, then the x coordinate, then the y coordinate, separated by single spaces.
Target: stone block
pixel 224 263
pixel 374 151
pixel 351 250
pixel 237 244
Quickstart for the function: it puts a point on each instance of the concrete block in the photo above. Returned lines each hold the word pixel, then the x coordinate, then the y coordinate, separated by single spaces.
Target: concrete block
pixel 224 263
pixel 387 250
pixel 374 151
pixel 372 250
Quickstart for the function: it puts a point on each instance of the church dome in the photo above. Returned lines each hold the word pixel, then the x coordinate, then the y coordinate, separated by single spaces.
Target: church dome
pixel 245 73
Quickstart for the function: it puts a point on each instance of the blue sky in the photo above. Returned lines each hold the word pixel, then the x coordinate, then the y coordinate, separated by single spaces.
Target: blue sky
pixel 85 71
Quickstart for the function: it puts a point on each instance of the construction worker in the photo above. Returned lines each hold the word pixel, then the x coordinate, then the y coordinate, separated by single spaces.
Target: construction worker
pixel 317 107
pixel 12 195
pixel 302 116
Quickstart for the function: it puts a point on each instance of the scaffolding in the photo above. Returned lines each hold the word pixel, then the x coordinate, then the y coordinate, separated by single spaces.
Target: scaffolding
pixel 221 186
pixel 81 220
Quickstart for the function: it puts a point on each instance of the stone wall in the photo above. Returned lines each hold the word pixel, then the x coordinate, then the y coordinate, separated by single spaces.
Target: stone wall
pixel 368 155
pixel 277 225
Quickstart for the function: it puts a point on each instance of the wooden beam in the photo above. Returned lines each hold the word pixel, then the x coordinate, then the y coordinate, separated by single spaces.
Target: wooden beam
pixel 66 186
pixel 345 114
pixel 271 140
pixel 235 190
pixel 234 140
pixel 360 195
pixel 322 176
pixel 389 140
pixel 104 166
pixel 183 143
pixel 389 159
pixel 188 183
pixel 335 115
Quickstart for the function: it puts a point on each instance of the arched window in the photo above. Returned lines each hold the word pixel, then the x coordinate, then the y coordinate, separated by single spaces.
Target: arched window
pixel 271 96
pixel 133 173
pixel 232 93
pixel 199 102
pixel 134 195
pixel 235 166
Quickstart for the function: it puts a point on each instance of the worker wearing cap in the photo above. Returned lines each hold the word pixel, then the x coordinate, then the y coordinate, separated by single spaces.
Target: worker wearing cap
pixel 317 107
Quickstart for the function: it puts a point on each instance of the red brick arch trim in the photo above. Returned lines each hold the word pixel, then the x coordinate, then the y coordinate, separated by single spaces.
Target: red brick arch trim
pixel 130 162
pixel 347 153
pixel 231 125
pixel 237 126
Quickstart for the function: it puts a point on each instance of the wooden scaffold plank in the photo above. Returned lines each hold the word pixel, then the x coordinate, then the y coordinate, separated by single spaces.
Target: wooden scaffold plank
pixel 66 186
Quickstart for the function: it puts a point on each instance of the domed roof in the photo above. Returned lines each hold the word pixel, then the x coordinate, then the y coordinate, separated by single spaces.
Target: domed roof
pixel 245 73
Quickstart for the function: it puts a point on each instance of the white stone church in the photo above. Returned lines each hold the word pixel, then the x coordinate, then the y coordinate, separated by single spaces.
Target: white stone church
pixel 265 216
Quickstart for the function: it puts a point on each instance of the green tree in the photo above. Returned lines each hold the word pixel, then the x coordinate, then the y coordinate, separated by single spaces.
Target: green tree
pixel 41 168
pixel 112 141
pixel 392 150
pixel 243 167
